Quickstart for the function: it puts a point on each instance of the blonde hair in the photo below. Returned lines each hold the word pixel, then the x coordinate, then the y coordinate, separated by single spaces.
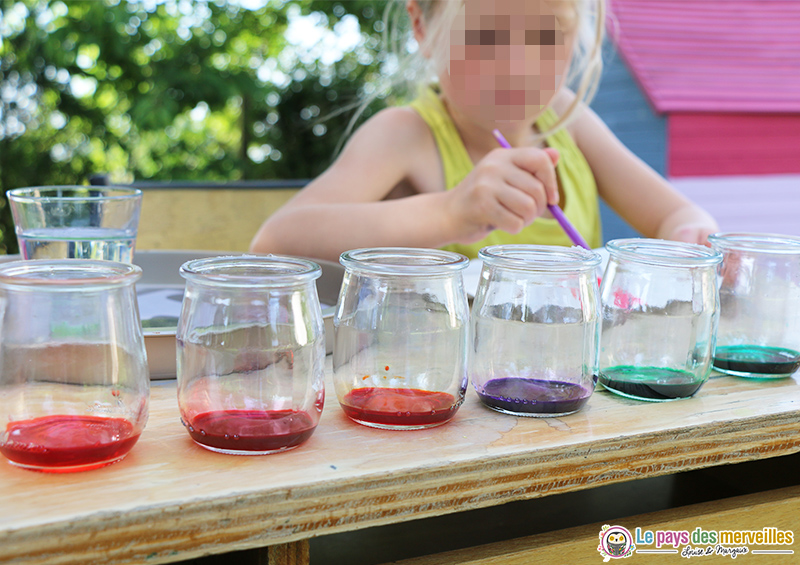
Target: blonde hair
pixel 413 71
pixel 586 66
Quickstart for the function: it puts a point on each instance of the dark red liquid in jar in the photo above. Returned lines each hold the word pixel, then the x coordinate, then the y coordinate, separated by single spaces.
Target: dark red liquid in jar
pixel 399 407
pixel 261 431
pixel 62 444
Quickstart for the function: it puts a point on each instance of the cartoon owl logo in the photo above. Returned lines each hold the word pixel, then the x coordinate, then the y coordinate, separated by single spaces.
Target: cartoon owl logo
pixel 616 542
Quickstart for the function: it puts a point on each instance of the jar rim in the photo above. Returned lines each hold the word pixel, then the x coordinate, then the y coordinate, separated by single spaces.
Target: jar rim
pixel 67 273
pixel 53 193
pixel 752 241
pixel 663 252
pixel 403 261
pixel 251 271
pixel 531 257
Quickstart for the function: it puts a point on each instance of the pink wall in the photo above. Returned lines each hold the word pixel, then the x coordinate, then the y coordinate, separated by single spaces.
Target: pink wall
pixel 701 144
pixel 712 55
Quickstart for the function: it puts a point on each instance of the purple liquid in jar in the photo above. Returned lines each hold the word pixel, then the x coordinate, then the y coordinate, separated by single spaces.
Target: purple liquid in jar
pixel 534 397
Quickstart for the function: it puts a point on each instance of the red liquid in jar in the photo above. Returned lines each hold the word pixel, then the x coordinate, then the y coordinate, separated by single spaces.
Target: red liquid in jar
pixel 399 406
pixel 251 430
pixel 61 444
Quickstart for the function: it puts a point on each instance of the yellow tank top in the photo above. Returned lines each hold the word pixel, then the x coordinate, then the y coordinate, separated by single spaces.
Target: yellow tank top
pixel 577 180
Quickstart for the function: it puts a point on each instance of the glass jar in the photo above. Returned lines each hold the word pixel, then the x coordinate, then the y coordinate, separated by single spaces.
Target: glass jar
pixel 400 337
pixel 74 383
pixel 76 222
pixel 251 353
pixel 535 329
pixel 660 310
pixel 759 290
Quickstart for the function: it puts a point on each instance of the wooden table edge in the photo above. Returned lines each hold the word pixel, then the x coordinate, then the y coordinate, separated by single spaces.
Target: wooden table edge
pixel 172 532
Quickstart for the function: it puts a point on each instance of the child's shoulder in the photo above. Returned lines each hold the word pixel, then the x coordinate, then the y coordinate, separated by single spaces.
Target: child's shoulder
pixel 400 126
pixel 400 140
pixel 399 132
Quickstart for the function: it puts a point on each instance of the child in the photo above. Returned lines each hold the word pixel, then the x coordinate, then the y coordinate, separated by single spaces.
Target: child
pixel 432 175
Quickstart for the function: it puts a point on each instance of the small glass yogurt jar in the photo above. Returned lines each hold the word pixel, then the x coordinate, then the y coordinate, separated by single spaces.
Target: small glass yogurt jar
pixel 759 291
pixel 400 341
pixel 251 353
pixel 535 329
pixel 660 312
pixel 74 382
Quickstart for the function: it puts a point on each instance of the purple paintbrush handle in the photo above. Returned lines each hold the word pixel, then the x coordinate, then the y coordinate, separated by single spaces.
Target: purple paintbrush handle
pixel 568 228
pixel 562 220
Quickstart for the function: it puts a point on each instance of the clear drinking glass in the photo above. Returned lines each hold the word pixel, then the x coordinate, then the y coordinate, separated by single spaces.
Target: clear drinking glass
pixel 536 329
pixel 76 222
pixel 74 383
pixel 251 353
pixel 400 337
pixel 759 324
pixel 660 310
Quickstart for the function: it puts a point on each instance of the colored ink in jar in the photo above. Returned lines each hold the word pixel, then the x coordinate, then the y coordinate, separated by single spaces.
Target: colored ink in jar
pixel 407 407
pixel 531 397
pixel 251 431
pixel 400 337
pixel 756 360
pixel 61 443
pixel 759 288
pixel 251 353
pixel 651 383
pixel 660 309
pixel 535 329
pixel 74 382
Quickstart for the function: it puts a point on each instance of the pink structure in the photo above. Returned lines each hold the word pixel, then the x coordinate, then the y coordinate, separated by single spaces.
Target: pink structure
pixel 726 73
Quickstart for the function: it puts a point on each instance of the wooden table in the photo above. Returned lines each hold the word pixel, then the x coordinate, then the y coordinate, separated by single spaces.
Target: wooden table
pixel 171 500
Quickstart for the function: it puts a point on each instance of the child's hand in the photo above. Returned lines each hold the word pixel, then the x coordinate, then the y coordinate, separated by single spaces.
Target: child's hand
pixel 507 190
pixel 693 233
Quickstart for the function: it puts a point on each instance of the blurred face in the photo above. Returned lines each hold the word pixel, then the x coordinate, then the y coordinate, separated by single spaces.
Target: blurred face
pixel 508 57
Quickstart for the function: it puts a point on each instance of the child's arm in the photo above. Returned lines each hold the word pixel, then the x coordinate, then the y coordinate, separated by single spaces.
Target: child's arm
pixel 635 191
pixel 345 207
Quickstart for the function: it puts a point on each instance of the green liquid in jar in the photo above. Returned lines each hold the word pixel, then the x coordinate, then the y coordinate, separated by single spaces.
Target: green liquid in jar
pixel 756 361
pixel 650 383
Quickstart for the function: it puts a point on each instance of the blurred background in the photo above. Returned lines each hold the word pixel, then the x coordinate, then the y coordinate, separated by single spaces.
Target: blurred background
pixel 179 89
pixel 706 92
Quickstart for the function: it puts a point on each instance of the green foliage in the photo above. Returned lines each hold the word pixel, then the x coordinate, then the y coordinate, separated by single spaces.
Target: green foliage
pixel 178 89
